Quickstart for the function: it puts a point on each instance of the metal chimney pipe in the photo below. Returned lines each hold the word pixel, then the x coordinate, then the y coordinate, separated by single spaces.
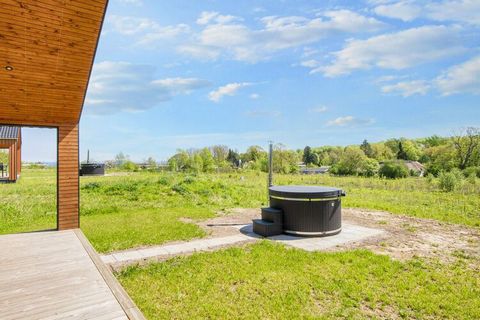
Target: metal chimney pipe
pixel 88 156
pixel 270 164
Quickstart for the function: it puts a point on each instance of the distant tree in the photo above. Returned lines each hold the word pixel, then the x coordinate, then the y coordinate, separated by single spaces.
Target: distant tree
pixel 392 144
pixel 151 162
pixel 369 167
pixel 220 153
pixel 401 154
pixel 309 157
pixel 253 153
pixel 411 150
pixel 467 146
pixel 328 155
pixel 393 170
pixel 440 158
pixel 181 161
pixel 197 162
pixel 284 160
pixel 129 166
pixel 367 148
pixel 381 152
pixel 233 157
pixel 121 158
pixel 434 141
pixel 208 162
pixel 351 162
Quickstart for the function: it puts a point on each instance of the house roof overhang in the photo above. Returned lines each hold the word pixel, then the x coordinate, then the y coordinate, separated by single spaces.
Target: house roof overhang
pixel 47 48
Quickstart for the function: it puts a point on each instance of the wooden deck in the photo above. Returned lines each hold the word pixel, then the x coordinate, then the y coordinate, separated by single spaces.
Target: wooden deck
pixel 58 275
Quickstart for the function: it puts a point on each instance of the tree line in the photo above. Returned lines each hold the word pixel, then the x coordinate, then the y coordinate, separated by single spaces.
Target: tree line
pixel 459 152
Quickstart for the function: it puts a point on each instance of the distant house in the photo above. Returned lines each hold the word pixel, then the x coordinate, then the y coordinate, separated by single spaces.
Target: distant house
pixel 11 140
pixel 320 170
pixel 415 167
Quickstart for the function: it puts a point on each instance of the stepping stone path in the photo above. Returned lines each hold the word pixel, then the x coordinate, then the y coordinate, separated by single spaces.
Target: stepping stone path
pixel 349 233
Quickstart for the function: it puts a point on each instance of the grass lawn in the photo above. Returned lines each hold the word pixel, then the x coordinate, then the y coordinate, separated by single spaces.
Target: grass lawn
pixel 269 281
pixel 263 280
pixel 120 212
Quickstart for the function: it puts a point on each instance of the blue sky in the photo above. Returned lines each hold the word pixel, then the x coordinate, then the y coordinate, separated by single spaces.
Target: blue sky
pixel 189 74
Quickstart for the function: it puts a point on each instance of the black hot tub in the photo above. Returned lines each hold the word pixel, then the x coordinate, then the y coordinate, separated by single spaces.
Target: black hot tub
pixel 92 169
pixel 308 210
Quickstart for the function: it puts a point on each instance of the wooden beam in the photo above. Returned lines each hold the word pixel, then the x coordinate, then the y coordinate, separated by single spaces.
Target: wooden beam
pixel 19 152
pixel 68 180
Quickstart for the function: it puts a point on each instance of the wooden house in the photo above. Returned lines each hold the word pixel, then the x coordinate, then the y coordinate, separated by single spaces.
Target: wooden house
pixel 11 140
pixel 47 49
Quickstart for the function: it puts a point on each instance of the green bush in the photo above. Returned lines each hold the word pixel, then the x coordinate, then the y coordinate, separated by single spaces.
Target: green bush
pixel 448 181
pixel 393 170
pixel 370 168
pixel 472 171
pixel 91 186
pixel 129 166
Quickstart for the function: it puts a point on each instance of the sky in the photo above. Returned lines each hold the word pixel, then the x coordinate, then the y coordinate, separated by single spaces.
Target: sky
pixel 189 74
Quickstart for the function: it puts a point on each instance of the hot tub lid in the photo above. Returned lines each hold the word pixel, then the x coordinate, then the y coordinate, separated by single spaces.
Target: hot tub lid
pixel 306 192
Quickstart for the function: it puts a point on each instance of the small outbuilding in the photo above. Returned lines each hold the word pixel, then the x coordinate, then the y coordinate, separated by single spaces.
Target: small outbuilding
pixel 319 170
pixel 11 140
pixel 415 167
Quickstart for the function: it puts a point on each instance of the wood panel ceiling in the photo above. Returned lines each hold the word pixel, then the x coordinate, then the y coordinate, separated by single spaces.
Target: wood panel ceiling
pixel 47 49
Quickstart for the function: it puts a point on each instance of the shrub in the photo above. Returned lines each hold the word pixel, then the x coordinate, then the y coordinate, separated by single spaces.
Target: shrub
pixel 129 166
pixel 180 188
pixel 472 171
pixel 393 170
pixel 352 162
pixel 189 179
pixel 370 168
pixel 472 179
pixel 448 181
pixel 91 186
pixel 163 181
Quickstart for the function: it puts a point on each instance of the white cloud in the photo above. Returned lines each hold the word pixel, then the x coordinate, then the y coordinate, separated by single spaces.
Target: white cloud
pixel 207 17
pixel 145 30
pixel 254 96
pixel 177 86
pixel 230 89
pixel 407 88
pixel 199 52
pixel 312 63
pixel 403 10
pixel 462 11
pixel 130 25
pixel 397 51
pixel 225 35
pixel 461 78
pixel 320 109
pixel 349 121
pixel 123 86
pixel 467 11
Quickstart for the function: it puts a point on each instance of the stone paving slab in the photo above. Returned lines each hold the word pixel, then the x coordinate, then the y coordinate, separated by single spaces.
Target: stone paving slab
pixel 174 249
pixel 350 233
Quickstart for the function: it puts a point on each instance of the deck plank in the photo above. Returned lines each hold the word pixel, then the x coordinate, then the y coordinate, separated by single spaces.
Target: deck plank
pixel 56 275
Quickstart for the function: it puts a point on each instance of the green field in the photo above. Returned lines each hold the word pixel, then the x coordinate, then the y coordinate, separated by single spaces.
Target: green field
pixel 270 281
pixel 263 280
pixel 124 211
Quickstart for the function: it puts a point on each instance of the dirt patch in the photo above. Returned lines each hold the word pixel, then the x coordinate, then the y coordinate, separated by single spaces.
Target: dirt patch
pixel 404 238
pixel 225 221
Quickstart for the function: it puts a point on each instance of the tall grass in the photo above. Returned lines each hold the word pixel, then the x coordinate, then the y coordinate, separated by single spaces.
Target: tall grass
pixel 119 212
